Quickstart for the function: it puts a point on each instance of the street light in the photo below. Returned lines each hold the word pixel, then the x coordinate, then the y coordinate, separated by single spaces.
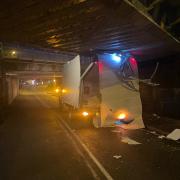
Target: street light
pixel 85 114
pixel 13 53
pixel 57 90
pixel 64 91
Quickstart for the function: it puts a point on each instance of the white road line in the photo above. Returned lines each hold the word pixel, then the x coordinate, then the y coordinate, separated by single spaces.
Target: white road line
pixel 43 103
pixel 79 151
pixel 93 158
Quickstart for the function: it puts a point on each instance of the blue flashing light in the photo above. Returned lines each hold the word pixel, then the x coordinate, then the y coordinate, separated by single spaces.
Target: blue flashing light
pixel 116 58
pixel 118 122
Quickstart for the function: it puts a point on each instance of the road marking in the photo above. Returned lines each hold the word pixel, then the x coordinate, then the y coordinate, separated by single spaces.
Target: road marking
pixel 79 151
pixel 91 156
pixel 129 141
pixel 43 103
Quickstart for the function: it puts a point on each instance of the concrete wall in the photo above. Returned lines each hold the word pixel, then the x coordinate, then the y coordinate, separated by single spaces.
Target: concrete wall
pixel 9 89
pixel 12 89
pixel 161 103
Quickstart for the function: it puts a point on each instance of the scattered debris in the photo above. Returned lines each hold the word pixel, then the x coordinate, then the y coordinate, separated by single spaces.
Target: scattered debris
pixel 174 135
pixel 116 131
pixel 129 141
pixel 161 136
pixel 117 156
pixel 153 132
pixel 156 116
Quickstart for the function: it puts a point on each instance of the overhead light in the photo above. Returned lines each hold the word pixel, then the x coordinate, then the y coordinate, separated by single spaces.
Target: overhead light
pixel 64 90
pixel 13 52
pixel 57 90
pixel 116 58
pixel 85 113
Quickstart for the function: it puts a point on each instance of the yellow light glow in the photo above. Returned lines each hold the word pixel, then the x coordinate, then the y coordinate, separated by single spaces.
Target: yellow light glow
pixel 57 90
pixel 13 52
pixel 85 113
pixel 122 116
pixel 54 80
pixel 64 90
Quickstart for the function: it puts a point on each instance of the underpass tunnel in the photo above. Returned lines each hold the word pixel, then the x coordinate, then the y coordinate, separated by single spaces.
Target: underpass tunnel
pixel 90 89
pixel 29 71
pixel 13 84
pixel 141 28
pixel 51 85
pixel 158 85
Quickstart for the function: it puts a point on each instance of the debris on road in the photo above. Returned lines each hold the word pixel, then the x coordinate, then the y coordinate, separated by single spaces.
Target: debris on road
pixel 161 137
pixel 129 141
pixel 153 132
pixel 156 116
pixel 174 135
pixel 117 156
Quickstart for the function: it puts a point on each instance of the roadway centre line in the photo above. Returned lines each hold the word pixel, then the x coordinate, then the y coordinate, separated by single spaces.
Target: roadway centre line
pixel 90 154
pixel 43 103
pixel 78 150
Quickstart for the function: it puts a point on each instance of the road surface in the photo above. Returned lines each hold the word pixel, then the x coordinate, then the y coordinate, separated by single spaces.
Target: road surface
pixel 38 143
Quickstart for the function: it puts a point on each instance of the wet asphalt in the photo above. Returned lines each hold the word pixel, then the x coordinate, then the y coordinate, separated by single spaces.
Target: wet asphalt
pixel 35 145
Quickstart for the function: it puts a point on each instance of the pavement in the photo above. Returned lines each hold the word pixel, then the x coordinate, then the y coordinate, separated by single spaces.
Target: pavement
pixel 37 142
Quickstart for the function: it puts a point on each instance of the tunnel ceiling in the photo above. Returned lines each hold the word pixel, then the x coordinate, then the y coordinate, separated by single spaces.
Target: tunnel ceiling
pixel 83 25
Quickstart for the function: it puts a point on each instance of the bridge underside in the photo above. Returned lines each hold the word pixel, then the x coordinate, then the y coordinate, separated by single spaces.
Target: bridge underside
pixel 84 25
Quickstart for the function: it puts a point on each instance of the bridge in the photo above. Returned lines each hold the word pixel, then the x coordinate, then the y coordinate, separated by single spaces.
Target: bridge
pixel 37 38
pixel 28 63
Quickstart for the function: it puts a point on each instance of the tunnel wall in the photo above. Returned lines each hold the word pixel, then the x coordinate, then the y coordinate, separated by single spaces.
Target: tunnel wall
pixel 9 89
pixel 161 99
pixel 12 85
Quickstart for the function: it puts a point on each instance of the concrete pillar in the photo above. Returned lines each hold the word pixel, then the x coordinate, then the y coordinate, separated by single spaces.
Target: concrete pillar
pixel 2 91
pixel 12 88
